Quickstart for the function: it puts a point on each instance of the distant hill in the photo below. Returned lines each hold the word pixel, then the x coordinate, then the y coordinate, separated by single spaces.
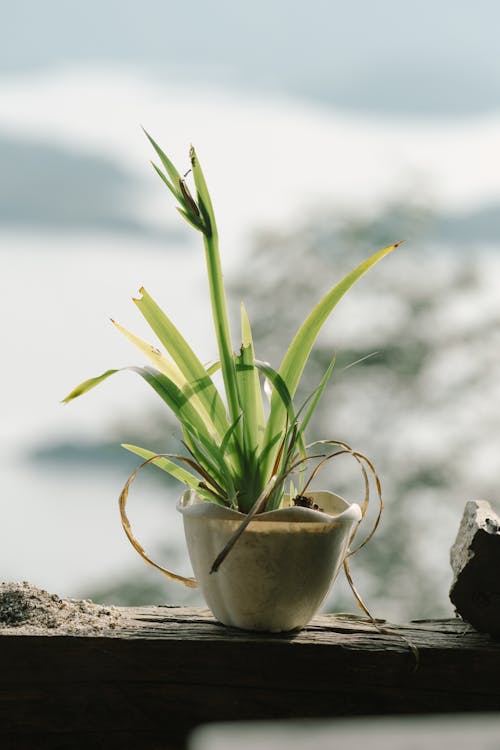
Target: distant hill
pixel 45 186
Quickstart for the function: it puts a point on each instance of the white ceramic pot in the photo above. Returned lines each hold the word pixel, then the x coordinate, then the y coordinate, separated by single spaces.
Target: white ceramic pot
pixel 280 570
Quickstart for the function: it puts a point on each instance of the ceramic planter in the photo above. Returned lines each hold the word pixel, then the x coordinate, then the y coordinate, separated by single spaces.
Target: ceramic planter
pixel 279 572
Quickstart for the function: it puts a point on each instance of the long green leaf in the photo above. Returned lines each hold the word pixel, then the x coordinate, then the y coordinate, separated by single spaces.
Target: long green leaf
pixel 168 391
pixel 191 219
pixel 87 385
pixel 181 406
pixel 207 474
pixel 298 352
pixel 172 371
pixel 281 444
pixel 188 208
pixel 165 179
pixel 186 360
pixel 167 465
pixel 171 170
pixel 221 325
pixel 204 200
pixel 210 454
pixel 249 390
pixel 229 434
pixel 280 388
pixel 167 366
pixel 217 292
pixel 316 397
pixel 218 468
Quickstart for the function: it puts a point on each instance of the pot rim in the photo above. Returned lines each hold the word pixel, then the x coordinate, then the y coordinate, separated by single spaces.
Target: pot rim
pixel 191 505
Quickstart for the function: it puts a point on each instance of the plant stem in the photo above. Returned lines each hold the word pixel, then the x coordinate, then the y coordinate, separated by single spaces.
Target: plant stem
pixel 221 323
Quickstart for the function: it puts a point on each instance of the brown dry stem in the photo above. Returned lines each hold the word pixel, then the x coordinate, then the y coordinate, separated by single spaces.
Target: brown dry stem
pixel 190 582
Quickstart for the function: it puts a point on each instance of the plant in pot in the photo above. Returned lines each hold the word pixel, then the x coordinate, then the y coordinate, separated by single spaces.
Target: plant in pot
pixel 265 548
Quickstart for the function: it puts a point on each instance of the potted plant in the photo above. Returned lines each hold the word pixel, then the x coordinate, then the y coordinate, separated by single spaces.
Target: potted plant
pixel 264 547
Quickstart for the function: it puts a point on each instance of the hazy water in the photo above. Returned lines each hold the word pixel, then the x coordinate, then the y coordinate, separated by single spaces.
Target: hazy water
pixel 268 162
pixel 60 524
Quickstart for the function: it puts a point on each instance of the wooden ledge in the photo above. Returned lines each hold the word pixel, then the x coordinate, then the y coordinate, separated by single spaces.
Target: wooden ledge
pixel 166 670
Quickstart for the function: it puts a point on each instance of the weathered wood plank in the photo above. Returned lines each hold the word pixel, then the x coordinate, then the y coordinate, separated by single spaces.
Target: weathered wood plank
pixel 167 670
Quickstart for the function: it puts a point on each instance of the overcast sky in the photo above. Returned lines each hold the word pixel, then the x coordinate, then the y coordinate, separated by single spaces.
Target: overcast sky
pixel 425 58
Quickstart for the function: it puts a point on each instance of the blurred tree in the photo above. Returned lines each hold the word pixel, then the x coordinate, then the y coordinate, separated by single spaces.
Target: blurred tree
pixel 429 318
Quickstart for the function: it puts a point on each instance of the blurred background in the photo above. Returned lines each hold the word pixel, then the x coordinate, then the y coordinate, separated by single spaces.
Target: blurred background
pixel 326 130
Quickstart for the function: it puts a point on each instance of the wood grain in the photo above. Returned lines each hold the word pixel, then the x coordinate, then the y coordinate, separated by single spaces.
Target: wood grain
pixel 167 670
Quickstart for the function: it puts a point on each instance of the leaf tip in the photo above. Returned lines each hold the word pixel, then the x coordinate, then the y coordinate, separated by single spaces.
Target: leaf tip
pixel 141 292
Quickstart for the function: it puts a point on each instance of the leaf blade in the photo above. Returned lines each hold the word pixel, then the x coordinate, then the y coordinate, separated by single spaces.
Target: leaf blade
pixel 317 396
pixel 87 385
pixel 177 472
pixel 171 370
pixel 298 352
pixel 186 360
pixel 172 172
pixel 249 390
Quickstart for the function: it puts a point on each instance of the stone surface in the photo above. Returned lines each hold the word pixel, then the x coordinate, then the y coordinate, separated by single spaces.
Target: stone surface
pixel 475 560
pixel 28 610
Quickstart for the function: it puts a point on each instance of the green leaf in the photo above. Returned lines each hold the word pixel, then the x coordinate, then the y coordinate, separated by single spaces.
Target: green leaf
pixel 188 208
pixel 87 385
pixel 296 357
pixel 221 325
pixel 229 434
pixel 298 352
pixel 216 465
pixel 281 445
pixel 167 465
pixel 217 291
pixel 207 474
pixel 191 219
pixel 316 396
pixel 167 366
pixel 171 170
pixel 212 367
pixel 186 360
pixel 179 403
pixel 167 182
pixel 208 454
pixel 204 200
pixel 172 371
pixel 280 388
pixel 169 392
pixel 249 390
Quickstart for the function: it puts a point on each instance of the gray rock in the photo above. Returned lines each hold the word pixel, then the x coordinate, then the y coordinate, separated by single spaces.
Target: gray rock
pixel 475 560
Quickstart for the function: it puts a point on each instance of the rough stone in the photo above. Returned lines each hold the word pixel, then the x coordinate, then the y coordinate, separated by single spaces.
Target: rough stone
pixel 25 609
pixel 475 560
